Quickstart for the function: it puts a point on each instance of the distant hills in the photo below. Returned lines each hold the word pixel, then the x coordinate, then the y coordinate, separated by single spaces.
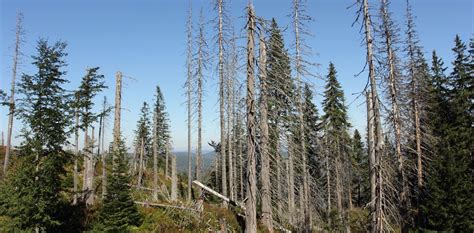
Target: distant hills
pixel 182 160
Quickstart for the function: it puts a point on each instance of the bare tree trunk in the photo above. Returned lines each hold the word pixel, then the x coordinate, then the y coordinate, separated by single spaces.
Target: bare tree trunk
pixel 101 144
pixel 118 99
pixel 86 154
pixel 220 39
pixel 291 183
pixel 328 183
pixel 267 219
pixel 167 164
pixel 229 137
pixel 200 61
pixel 299 72
pixel 140 163
pixel 338 171
pixel 90 170
pixel 11 112
pixel 371 150
pixel 251 202
pixel 395 110
pixel 155 156
pixel 189 86
pixel 76 155
pixel 377 125
pixel 174 179
pixel 279 178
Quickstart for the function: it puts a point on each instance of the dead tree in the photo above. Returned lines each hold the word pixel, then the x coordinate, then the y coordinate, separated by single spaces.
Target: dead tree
pixel 267 218
pixel 251 202
pixel 298 18
pixel 220 42
pixel 101 144
pixel 118 99
pixel 76 155
pixel 189 90
pixel 174 179
pixel 155 156
pixel 389 35
pixel 16 55
pixel 231 70
pixel 376 224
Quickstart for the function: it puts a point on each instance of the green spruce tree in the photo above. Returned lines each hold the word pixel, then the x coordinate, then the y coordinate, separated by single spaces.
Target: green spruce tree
pixel 118 211
pixel 32 195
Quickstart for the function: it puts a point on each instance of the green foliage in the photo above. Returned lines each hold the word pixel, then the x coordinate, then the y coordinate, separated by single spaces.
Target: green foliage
pixel 448 202
pixel 91 84
pixel 118 211
pixel 360 163
pixel 162 131
pixel 31 195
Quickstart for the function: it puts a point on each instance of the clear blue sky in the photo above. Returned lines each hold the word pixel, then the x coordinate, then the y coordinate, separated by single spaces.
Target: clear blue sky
pixel 146 40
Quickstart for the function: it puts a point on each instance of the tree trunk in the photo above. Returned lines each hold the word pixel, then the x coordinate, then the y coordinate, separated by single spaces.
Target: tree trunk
pixel 86 154
pixel 90 171
pixel 291 181
pixel 140 163
pixel 76 155
pixel 371 150
pixel 118 99
pixel 221 95
pixel 394 95
pixel 267 219
pixel 377 125
pixel 251 202
pixel 104 155
pixel 11 112
pixel 155 156
pixel 189 95
pixel 174 179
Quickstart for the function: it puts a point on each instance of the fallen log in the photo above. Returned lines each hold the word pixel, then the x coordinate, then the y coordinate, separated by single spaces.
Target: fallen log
pixel 152 204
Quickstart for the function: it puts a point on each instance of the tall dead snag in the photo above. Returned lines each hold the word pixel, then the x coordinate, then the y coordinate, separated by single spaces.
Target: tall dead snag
pixel 19 32
pixel 189 90
pixel 291 181
pixel 220 42
pixel 231 70
pixel 251 202
pixel 298 18
pixel 371 150
pixel 90 170
pixel 376 224
pixel 174 179
pixel 101 143
pixel 200 65
pixel 389 36
pixel 155 156
pixel 267 219
pixel 118 99
pixel 416 66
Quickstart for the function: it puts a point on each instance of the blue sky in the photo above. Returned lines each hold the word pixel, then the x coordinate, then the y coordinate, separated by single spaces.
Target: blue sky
pixel 146 40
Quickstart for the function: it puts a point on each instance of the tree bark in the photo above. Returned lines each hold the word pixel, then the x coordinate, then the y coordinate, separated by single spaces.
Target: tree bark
pixel 220 38
pixel 155 156
pixel 267 219
pixel 118 99
pixel 377 125
pixel 140 163
pixel 189 95
pixel 76 153
pixel 90 171
pixel 251 202
pixel 291 182
pixel 174 179
pixel 11 112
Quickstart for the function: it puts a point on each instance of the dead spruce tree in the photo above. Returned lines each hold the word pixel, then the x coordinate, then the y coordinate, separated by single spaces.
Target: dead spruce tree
pixel 201 61
pixel 301 67
pixel 251 202
pixel 19 32
pixel 189 92
pixel 392 78
pixel 117 112
pixel 267 219
pixel 375 129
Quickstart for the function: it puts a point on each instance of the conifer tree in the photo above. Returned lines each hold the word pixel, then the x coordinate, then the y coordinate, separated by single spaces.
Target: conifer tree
pixel 31 196
pixel 448 203
pixel 360 163
pixel 142 141
pixel 336 124
pixel 91 84
pixel 118 211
